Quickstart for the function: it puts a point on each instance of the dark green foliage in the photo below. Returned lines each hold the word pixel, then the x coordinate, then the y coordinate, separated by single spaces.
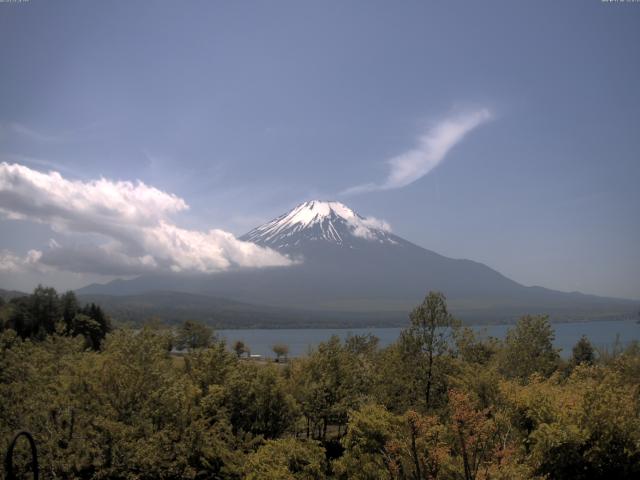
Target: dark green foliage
pixel 69 307
pixel 583 352
pixel 44 309
pixel 44 312
pixel 240 348
pixel 34 316
pixel 191 335
pixel 20 319
pixel 89 328
pixel 96 313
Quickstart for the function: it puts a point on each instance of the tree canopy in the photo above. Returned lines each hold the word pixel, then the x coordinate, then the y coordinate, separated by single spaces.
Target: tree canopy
pixel 125 406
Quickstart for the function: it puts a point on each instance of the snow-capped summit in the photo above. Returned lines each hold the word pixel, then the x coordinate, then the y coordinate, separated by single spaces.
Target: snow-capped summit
pixel 317 220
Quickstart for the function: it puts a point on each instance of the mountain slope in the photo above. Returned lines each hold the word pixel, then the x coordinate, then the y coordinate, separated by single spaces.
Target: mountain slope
pixel 353 264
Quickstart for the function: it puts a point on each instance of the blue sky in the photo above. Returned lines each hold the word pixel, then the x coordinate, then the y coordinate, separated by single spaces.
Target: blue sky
pixel 245 109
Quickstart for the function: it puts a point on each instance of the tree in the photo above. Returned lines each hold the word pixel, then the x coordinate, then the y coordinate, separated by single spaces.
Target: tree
pixel 35 316
pixel 472 348
pixel 89 321
pixel 240 348
pixel 365 457
pixel 281 350
pixel 44 305
pixel 287 459
pixel 192 335
pixel 427 339
pixel 210 366
pixel 89 328
pixel 362 344
pixel 474 432
pixel 419 450
pixel 19 318
pixel 69 308
pixel 583 352
pixel 529 349
pixel 258 400
pixel 585 427
pixel 328 383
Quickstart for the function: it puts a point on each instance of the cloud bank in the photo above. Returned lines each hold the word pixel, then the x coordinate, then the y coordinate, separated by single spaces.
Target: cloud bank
pixel 432 147
pixel 131 220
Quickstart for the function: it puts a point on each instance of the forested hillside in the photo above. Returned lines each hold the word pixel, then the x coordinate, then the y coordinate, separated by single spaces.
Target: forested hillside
pixel 438 404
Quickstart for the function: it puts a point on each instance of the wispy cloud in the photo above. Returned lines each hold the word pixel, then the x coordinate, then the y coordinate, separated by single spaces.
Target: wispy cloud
pixel 30 133
pixel 15 129
pixel 432 148
pixel 37 162
pixel 133 219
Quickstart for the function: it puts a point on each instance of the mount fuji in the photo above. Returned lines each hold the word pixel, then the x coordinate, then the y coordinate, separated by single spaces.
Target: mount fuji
pixel 316 221
pixel 351 268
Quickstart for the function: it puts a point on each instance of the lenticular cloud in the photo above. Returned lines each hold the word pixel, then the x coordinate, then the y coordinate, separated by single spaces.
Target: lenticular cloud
pixel 132 222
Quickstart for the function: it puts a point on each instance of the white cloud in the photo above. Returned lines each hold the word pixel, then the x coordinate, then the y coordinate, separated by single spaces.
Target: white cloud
pixel 366 227
pixel 133 219
pixel 11 263
pixel 432 147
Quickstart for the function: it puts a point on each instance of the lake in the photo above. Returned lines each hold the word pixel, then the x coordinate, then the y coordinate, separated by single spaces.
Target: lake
pixel 602 334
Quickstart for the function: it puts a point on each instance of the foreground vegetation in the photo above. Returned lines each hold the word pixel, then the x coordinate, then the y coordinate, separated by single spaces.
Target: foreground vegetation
pixel 440 403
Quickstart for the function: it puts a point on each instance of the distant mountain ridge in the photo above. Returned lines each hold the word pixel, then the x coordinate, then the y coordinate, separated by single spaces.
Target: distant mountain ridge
pixel 348 264
pixel 9 294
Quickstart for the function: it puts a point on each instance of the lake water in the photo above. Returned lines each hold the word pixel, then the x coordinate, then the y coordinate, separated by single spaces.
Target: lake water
pixel 602 334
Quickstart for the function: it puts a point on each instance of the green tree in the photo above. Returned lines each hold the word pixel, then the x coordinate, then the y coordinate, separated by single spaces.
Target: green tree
pixel 240 348
pixel 426 340
pixel 281 350
pixel 362 344
pixel 192 335
pixel 328 383
pixel 44 306
pixel 365 457
pixel 42 313
pixel 583 427
pixel 34 316
pixel 287 459
pixel 528 348
pixel 258 401
pixel 69 308
pixel 89 329
pixel 211 366
pixel 473 348
pixel 583 352
pixel 19 318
